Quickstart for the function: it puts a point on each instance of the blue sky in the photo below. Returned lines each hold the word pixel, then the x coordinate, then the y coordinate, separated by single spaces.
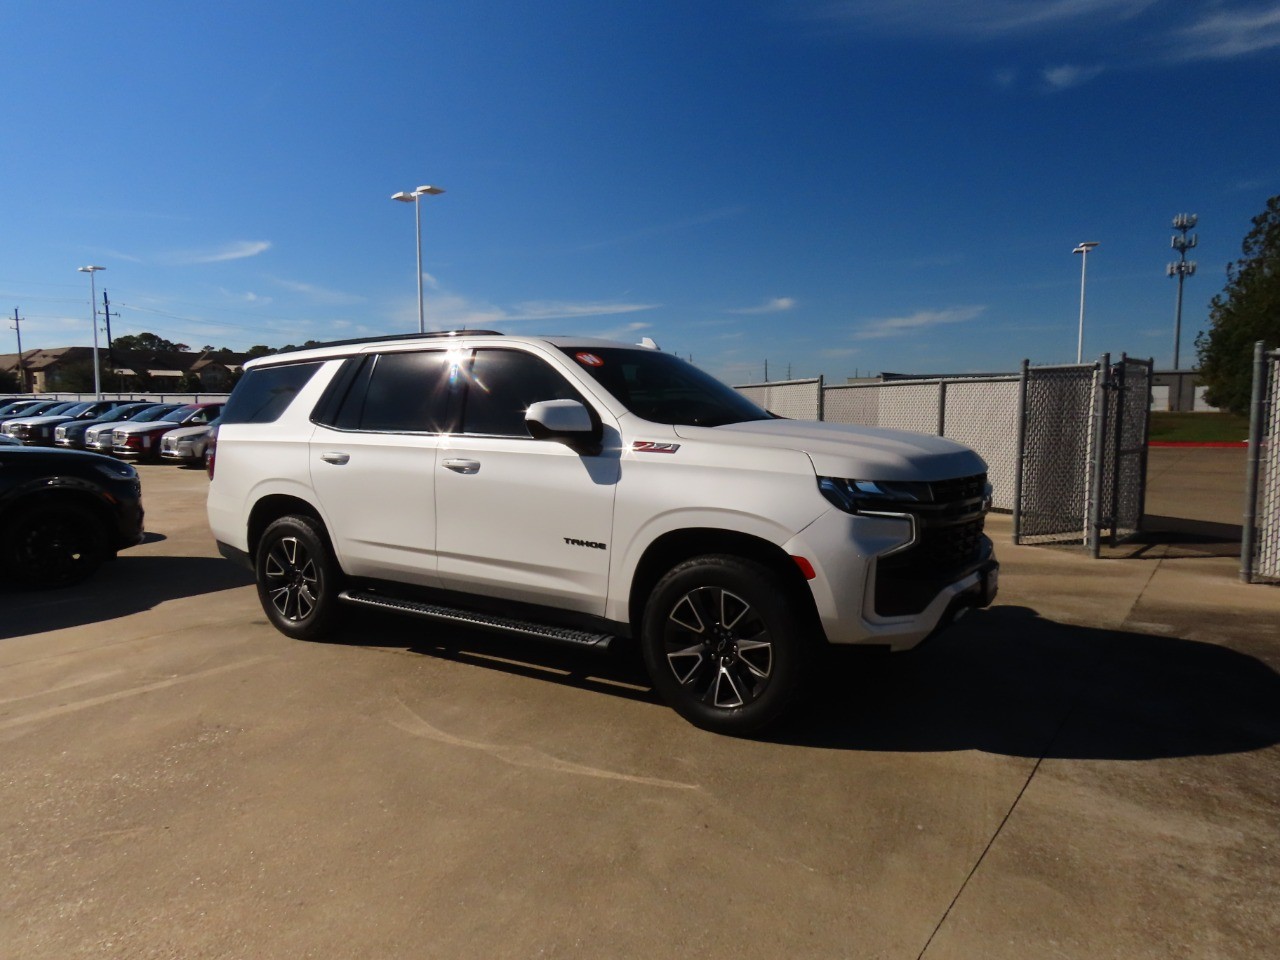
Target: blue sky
pixel 835 186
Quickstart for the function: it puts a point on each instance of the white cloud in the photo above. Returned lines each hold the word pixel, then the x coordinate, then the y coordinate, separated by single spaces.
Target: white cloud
pixel 450 311
pixel 991 18
pixel 1067 76
pixel 1224 33
pixel 916 322
pixel 560 310
pixel 318 294
pixel 625 332
pixel 775 305
pixel 239 250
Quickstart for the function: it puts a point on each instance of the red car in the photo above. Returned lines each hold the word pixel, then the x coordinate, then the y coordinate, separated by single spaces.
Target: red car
pixel 141 440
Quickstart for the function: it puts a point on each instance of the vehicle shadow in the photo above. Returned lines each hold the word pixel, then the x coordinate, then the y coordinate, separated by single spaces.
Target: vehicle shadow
pixel 128 584
pixel 1007 681
pixel 1003 680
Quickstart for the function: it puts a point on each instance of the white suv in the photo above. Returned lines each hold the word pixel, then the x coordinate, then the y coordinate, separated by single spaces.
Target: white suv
pixel 585 490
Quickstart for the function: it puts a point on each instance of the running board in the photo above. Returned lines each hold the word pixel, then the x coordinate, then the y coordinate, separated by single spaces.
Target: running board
pixel 580 638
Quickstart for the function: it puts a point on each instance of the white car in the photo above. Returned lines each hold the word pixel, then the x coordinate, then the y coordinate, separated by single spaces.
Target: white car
pixel 581 491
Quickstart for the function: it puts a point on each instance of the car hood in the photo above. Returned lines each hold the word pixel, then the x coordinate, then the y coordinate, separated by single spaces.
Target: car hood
pixel 142 426
pixel 39 421
pixel 844 450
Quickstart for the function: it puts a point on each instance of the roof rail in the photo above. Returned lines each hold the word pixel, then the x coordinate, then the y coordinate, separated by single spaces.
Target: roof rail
pixel 430 335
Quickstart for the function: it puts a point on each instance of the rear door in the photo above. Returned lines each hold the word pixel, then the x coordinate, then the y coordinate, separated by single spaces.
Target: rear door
pixel 373 457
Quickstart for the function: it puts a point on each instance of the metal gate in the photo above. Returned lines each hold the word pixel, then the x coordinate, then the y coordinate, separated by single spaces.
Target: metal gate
pixel 1056 442
pixel 1124 461
pixel 1082 442
pixel 1260 544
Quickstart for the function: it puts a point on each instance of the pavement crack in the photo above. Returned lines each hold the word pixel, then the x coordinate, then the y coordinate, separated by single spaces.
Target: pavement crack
pixel 522 756
pixel 1067 715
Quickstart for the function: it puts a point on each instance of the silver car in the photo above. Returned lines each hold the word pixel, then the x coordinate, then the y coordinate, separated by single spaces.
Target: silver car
pixel 186 445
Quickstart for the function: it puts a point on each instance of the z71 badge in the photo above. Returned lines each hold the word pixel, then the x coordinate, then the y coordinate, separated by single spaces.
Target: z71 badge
pixel 652 446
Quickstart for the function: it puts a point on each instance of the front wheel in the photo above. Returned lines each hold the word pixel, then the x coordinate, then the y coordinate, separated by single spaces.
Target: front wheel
pixel 53 545
pixel 298 580
pixel 725 644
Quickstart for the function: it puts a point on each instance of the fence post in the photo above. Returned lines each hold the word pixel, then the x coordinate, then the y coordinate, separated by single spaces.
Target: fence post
pixel 942 408
pixel 1021 454
pixel 1093 507
pixel 1121 391
pixel 1248 538
pixel 822 396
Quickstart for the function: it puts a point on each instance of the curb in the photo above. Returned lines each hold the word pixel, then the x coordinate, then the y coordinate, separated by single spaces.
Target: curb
pixel 1198 443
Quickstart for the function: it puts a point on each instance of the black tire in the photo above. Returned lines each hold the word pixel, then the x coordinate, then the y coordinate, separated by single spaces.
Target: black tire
pixel 725 643
pixel 298 579
pixel 53 545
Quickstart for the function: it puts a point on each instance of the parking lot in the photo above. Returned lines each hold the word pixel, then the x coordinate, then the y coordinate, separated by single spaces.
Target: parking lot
pixel 1088 769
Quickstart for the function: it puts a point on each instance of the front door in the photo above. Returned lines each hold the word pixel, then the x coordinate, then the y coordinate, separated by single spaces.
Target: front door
pixel 518 518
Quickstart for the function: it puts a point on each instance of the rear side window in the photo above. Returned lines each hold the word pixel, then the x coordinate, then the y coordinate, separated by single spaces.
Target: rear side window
pixel 403 392
pixel 264 393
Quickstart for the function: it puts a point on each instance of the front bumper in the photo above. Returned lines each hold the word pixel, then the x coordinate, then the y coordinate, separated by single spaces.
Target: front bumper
pixel 844 550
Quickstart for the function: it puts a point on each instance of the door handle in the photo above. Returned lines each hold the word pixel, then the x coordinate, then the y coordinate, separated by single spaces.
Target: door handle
pixel 462 466
pixel 335 456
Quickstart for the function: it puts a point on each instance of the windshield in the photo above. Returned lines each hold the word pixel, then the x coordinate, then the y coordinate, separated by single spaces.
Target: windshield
pixel 662 388
pixel 78 409
pixel 152 414
pixel 123 413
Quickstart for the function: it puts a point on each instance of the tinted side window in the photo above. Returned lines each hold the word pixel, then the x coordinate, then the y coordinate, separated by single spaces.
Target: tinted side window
pixel 264 393
pixel 502 385
pixel 400 392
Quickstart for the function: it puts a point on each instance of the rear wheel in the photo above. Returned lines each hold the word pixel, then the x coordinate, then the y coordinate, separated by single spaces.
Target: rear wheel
pixel 53 545
pixel 725 644
pixel 298 580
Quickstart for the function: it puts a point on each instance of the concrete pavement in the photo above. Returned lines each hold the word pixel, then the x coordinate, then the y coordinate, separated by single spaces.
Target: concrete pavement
pixel 1088 769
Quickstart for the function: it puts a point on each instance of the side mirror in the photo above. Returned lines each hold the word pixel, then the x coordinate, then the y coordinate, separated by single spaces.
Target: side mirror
pixel 566 420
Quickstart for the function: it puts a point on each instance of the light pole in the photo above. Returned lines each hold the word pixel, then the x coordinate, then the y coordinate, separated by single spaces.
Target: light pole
pixel 414 197
pixel 1082 249
pixel 1182 269
pixel 93 307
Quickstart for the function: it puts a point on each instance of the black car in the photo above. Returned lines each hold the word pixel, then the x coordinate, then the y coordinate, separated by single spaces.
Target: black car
pixel 62 513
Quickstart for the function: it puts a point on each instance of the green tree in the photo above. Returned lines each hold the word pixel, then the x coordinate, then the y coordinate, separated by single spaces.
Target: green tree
pixel 1247 310
pixel 147 343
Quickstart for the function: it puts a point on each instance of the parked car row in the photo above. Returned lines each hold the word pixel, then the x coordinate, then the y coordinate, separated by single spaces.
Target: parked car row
pixel 132 430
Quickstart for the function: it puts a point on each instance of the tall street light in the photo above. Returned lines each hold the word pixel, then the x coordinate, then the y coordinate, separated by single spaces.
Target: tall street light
pixel 1082 249
pixel 414 197
pixel 93 308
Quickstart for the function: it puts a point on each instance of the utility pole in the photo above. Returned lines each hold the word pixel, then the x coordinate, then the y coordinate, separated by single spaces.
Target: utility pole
pixel 106 312
pixel 22 373
pixel 1182 269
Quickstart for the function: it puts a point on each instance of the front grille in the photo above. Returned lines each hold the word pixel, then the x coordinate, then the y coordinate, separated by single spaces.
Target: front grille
pixel 949 545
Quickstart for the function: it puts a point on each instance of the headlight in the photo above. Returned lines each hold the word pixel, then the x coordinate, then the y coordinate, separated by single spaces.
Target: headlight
pixel 874 496
pixel 116 470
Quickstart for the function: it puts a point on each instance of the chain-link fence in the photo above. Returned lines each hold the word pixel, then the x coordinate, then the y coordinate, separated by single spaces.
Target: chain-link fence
pixel 1065 446
pixel 1260 545
pixel 981 413
pixel 793 399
